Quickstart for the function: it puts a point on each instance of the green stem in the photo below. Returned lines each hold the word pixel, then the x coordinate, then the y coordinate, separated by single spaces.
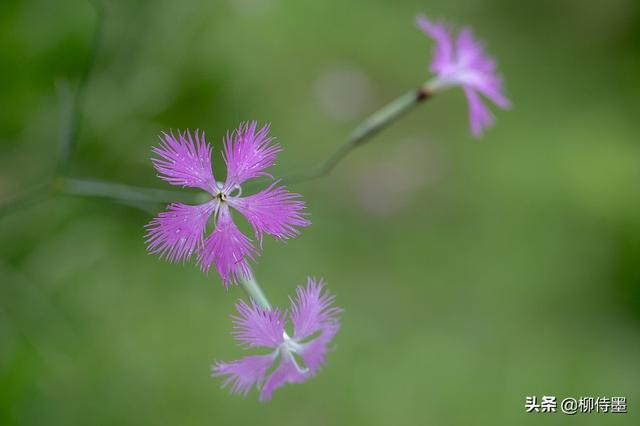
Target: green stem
pixel 361 134
pixel 253 290
pixel 123 193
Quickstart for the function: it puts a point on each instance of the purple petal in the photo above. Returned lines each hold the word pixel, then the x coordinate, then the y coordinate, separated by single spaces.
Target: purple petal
pixel 174 234
pixel 248 153
pixel 471 55
pixel 314 352
pixel 228 249
pixel 479 115
pixel 255 326
pixel 285 373
pixel 242 374
pixel 312 310
pixel 443 52
pixel 185 162
pixel 274 211
pixel 491 87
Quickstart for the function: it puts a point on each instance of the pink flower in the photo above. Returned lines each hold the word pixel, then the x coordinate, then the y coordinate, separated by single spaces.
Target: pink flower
pixel 292 359
pixel 464 62
pixel 179 232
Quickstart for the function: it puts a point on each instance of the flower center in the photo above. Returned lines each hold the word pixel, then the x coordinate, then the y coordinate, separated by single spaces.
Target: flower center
pixel 223 192
pixel 289 349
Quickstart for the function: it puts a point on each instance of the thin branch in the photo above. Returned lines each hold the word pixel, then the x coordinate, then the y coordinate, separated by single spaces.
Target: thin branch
pixel 123 193
pixel 255 292
pixel 364 132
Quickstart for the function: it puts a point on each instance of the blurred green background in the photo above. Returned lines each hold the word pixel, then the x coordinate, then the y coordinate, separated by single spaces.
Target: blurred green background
pixel 472 273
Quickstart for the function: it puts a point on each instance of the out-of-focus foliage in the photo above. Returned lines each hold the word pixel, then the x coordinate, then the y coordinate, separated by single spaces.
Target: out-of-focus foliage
pixel 472 273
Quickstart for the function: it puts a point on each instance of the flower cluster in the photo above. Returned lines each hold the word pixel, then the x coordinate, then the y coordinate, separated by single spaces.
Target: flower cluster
pixel 179 232
pixel 209 232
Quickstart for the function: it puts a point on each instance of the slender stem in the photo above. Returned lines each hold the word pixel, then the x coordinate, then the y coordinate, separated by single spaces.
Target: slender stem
pixel 123 193
pixel 253 290
pixel 361 134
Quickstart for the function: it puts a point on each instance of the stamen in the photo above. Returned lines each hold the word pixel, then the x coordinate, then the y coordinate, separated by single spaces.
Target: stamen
pixel 290 347
pixel 236 191
pixel 301 370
